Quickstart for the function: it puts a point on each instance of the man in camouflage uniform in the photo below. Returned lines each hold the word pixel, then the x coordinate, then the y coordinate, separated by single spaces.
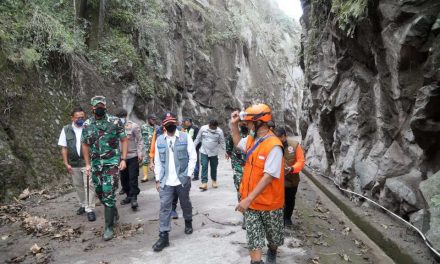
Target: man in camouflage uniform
pixel 101 139
pixel 147 131
pixel 237 158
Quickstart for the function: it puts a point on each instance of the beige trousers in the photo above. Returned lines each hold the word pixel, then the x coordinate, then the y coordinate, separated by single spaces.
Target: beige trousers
pixel 79 178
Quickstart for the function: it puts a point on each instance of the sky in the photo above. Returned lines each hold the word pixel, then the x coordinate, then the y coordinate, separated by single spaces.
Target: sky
pixel 291 7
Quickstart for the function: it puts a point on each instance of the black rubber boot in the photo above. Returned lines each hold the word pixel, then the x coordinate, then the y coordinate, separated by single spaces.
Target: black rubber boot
pixel 109 214
pixel 134 203
pixel 271 256
pixel 188 227
pixel 162 243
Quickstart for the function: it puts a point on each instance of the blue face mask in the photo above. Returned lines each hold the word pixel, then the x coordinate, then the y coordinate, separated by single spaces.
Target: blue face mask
pixel 252 133
pixel 79 122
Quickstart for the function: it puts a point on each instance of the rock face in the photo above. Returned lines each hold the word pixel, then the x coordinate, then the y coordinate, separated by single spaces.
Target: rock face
pixel 371 112
pixel 198 58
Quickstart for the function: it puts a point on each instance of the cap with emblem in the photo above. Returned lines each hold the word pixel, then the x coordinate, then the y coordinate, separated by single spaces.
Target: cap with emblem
pixel 169 118
pixel 99 99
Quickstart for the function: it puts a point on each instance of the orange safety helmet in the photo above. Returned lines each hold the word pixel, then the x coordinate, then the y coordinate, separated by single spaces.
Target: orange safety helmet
pixel 259 112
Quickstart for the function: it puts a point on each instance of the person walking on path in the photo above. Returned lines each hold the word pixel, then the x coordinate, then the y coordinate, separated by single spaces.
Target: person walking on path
pixel 147 131
pixel 103 139
pixel 294 163
pixel 73 158
pixel 130 175
pixel 262 185
pixel 174 162
pixel 212 139
pixel 193 131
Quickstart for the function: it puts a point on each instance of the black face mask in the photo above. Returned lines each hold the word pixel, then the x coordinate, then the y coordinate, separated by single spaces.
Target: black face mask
pixel 171 128
pixel 244 130
pixel 100 112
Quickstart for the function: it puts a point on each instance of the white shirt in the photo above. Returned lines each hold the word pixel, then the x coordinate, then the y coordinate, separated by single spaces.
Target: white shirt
pixel 62 141
pixel 172 179
pixel 272 166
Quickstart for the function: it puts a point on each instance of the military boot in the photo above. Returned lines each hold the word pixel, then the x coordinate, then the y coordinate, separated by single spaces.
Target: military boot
pixel 109 214
pixel 271 256
pixel 188 227
pixel 162 243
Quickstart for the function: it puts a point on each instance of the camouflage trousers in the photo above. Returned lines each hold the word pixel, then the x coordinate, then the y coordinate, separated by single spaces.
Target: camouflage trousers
pixel 106 180
pixel 264 224
pixel 238 175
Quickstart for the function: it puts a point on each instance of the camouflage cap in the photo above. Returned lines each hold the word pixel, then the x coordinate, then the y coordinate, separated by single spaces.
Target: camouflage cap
pixel 99 99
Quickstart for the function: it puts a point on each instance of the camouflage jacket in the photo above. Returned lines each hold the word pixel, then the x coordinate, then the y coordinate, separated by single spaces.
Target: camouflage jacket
pixel 237 156
pixel 147 135
pixel 103 136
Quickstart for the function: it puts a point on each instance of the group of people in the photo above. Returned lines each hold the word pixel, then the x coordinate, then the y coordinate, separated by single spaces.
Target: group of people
pixel 99 151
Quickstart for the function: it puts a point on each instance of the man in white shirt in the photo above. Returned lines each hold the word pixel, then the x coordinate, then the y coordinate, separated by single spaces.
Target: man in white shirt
pixel 70 142
pixel 174 160
pixel 212 139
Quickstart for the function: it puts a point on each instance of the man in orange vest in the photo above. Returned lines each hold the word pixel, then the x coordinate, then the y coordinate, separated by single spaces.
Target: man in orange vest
pixel 262 185
pixel 294 163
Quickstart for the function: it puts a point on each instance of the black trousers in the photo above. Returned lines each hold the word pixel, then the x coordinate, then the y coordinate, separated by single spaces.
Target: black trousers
pixel 289 201
pixel 129 178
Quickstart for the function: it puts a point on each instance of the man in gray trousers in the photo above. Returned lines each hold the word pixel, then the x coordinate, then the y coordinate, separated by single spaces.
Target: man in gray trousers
pixel 174 160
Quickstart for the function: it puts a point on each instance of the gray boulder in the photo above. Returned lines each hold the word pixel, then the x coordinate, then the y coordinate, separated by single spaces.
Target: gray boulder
pixel 430 189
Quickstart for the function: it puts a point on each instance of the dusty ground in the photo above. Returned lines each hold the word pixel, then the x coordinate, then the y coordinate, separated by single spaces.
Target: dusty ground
pixel 321 234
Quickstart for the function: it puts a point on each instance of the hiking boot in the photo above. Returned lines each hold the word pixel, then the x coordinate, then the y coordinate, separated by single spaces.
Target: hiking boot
pixel 214 184
pixel 162 243
pixel 196 178
pixel 174 214
pixel 271 256
pixel 134 203
pixel 81 211
pixel 288 222
pixel 126 200
pixel 91 216
pixel 121 192
pixel 188 227
pixel 109 214
pixel 203 187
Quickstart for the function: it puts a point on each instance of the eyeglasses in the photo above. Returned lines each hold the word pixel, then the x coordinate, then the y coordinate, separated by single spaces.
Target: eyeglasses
pixel 171 146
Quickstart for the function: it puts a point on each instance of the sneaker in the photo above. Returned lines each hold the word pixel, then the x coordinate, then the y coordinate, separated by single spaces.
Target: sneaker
pixel 174 214
pixel 91 216
pixel 81 211
pixel 214 184
pixel 203 187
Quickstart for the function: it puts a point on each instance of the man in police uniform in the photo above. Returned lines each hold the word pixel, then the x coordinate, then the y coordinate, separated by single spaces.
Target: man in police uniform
pixel 101 139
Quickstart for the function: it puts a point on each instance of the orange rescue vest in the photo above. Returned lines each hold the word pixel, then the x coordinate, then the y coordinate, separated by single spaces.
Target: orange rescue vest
pixel 272 197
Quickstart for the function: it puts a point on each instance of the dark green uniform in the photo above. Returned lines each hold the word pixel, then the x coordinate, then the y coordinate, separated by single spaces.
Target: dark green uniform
pixel 237 161
pixel 103 136
pixel 147 134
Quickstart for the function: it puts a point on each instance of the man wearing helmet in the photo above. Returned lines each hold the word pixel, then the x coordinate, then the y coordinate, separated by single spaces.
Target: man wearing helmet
pixel 262 186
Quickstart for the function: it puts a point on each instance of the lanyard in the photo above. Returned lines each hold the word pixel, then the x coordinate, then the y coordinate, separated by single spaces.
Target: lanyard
pixel 254 147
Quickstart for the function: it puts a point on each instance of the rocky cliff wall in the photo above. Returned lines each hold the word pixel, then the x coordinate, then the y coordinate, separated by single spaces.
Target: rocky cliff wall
pixel 371 115
pixel 198 58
